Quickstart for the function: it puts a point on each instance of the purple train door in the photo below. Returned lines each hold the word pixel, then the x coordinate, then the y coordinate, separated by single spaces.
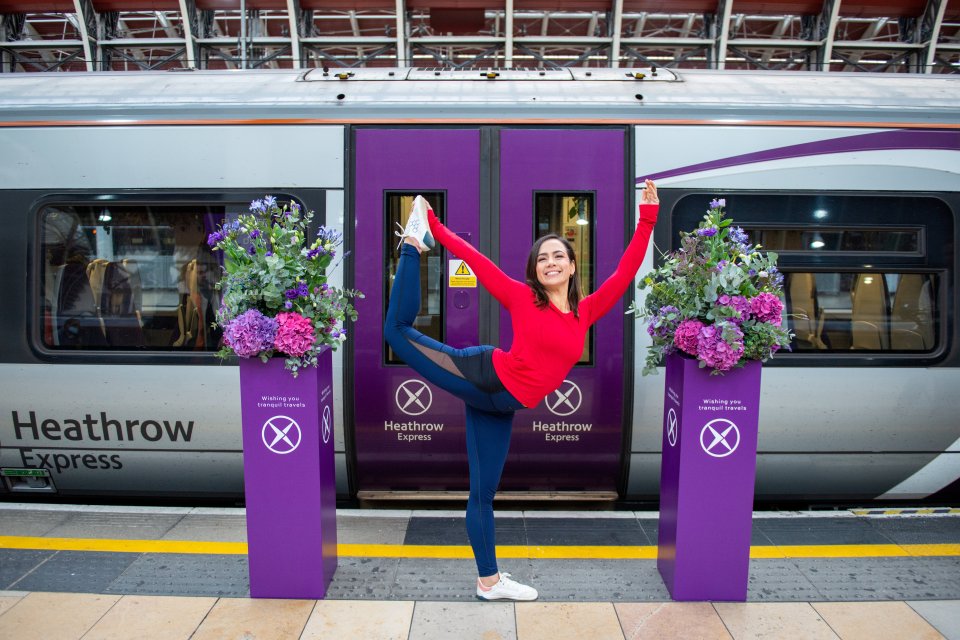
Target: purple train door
pixel 568 182
pixel 409 435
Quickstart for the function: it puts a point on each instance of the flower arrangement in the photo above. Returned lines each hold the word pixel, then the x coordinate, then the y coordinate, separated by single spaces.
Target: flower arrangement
pixel 717 299
pixel 275 296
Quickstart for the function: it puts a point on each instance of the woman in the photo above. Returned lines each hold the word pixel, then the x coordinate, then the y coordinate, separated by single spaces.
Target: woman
pixel 550 322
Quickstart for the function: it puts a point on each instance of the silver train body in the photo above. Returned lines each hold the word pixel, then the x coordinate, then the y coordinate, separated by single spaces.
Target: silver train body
pixel 837 424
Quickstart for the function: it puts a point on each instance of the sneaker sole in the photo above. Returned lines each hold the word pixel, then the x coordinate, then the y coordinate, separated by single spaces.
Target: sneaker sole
pixel 482 599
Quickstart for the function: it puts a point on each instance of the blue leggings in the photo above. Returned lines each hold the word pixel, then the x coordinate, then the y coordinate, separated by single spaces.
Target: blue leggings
pixel 468 374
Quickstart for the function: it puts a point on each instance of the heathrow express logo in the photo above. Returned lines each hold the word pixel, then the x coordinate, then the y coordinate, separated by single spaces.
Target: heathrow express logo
pixel 413 397
pixel 719 438
pixel 565 400
pixel 672 427
pixel 281 435
pixel 327 424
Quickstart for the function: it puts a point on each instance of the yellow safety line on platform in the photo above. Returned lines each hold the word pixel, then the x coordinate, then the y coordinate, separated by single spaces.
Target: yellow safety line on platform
pixel 595 552
pixel 927 511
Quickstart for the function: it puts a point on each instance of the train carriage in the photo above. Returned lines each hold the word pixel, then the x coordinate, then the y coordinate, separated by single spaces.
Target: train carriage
pixel 111 183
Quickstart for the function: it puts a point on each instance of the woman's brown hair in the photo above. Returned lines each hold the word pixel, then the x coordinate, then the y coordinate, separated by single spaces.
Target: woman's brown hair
pixel 573 287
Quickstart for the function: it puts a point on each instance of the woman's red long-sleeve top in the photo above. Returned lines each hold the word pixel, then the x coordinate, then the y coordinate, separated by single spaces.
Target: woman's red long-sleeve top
pixel 546 342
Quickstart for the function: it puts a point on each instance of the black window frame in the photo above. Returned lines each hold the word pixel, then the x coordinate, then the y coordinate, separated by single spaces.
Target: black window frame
pixel 390 248
pixel 314 199
pixel 593 193
pixel 937 258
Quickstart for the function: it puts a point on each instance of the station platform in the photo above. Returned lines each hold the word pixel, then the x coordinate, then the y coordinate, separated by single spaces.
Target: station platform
pixel 69 571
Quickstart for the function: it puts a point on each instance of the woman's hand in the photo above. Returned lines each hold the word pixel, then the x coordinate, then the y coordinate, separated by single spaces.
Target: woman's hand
pixel 649 195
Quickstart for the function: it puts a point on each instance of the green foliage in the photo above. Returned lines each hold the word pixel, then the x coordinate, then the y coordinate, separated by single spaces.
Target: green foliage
pixel 273 267
pixel 711 289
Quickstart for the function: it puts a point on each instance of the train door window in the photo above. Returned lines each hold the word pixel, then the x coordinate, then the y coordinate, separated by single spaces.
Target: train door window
pixel 571 216
pixel 130 276
pixel 430 320
pixel 863 273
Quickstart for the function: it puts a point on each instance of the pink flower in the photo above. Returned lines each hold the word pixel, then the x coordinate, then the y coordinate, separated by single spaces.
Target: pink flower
pixel 295 334
pixel 767 307
pixel 686 336
pixel 738 303
pixel 713 350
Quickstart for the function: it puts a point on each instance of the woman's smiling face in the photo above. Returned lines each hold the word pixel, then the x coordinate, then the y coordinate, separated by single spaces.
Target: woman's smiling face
pixel 554 268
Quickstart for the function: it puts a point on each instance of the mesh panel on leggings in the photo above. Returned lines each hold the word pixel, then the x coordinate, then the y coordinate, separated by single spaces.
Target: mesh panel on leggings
pixel 439 358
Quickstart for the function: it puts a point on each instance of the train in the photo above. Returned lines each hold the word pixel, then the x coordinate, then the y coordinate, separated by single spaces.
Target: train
pixel 111 182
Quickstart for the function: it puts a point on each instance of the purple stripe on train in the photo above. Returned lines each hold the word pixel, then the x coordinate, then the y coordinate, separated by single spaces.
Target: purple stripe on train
pixel 879 141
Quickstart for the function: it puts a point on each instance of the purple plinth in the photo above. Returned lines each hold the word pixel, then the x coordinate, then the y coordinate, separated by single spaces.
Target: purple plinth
pixel 707 479
pixel 288 474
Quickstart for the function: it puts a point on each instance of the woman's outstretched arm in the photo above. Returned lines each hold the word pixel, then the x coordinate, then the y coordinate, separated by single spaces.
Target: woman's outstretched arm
pixel 500 285
pixel 607 294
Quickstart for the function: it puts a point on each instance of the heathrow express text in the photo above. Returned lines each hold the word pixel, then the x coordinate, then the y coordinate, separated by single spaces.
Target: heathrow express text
pixel 91 428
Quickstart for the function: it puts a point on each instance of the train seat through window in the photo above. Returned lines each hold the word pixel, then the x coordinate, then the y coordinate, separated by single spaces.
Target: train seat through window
pixel 803 311
pixel 911 327
pixel 76 321
pixel 869 318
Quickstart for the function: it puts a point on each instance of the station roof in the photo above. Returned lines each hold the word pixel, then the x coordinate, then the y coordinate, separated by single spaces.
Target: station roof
pixel 866 35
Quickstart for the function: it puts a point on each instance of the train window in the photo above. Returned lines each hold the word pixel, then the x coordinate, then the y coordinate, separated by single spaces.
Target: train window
pixel 430 320
pixel 570 215
pixel 862 311
pixel 849 239
pixel 130 276
pixel 864 274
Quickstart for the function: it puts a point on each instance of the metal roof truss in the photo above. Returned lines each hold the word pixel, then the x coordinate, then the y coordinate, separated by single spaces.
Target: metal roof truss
pixel 507 37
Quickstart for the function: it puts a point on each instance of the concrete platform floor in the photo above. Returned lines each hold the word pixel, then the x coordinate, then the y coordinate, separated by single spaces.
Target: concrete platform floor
pixel 131 572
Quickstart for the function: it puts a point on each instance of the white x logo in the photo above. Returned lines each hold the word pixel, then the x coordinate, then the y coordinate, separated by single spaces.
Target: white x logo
pixel 281 434
pixel 327 424
pixel 567 399
pixel 720 446
pixel 416 393
pixel 672 427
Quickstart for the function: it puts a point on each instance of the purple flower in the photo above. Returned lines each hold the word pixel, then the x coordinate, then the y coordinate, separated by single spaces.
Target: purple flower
pixel 291 293
pixel 303 290
pixel 718 203
pixel 288 305
pixel 739 236
pixel 214 238
pixel 326 234
pixel 716 352
pixel 721 265
pixel 663 326
pixel 269 253
pixel 738 303
pixel 708 232
pixel 250 333
pixel 255 234
pixel 252 250
pixel 776 278
pixel 257 205
pixel 269 202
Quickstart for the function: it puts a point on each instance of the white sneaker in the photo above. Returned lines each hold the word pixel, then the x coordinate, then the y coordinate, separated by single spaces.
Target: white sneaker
pixel 418 225
pixel 506 589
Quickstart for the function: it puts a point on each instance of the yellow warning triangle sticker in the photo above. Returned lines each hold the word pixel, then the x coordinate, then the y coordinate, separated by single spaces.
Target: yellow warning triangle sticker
pixel 463 270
